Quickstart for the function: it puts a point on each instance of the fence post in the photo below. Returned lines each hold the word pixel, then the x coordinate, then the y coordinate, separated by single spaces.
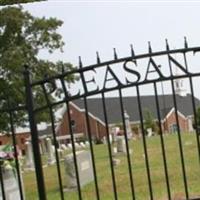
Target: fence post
pixel 34 136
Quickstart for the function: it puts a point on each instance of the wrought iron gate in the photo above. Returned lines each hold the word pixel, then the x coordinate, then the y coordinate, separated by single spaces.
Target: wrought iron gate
pixel 136 71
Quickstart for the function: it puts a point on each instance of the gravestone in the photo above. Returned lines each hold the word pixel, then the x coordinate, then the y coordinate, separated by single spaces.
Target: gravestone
pixel 87 143
pixel 11 186
pixel 64 147
pixel 127 124
pixel 60 153
pixel 110 138
pixel 121 147
pixel 116 161
pixel 69 146
pixel 29 156
pixel 50 152
pixel 77 146
pixel 84 165
pixel 149 132
pixel 82 144
pixel 41 149
pixel 104 139
pixel 114 150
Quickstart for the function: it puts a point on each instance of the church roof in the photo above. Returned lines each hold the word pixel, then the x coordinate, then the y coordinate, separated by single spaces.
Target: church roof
pixel 95 106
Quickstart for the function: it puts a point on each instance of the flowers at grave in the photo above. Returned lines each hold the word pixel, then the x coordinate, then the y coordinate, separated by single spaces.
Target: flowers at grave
pixel 7 157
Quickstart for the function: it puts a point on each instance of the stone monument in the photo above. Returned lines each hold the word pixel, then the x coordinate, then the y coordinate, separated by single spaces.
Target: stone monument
pixel 50 152
pixel 127 124
pixel 11 186
pixel 29 156
pixel 121 147
pixel 84 165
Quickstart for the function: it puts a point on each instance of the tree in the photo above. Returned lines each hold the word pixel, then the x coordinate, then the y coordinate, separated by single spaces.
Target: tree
pixel 197 124
pixel 198 116
pixel 22 38
pixel 11 2
pixel 149 120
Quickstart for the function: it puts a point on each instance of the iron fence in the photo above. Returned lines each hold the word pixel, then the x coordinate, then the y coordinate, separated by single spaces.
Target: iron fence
pixel 133 80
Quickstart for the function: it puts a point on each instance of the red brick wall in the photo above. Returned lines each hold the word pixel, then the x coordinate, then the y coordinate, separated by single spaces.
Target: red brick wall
pixel 78 117
pixel 20 139
pixel 101 130
pixel 171 119
pixel 97 129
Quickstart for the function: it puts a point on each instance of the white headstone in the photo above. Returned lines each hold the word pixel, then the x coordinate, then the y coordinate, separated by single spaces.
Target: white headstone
pixel 69 145
pixel 110 138
pixel 63 146
pixel 127 124
pixel 121 144
pixel 115 133
pixel 77 146
pixel 43 146
pixel 87 143
pixel 149 132
pixel 11 186
pixel 84 165
pixel 50 152
pixel 116 161
pixel 29 156
pixel 114 150
pixel 60 152
pixel 53 148
pixel 82 144
pixel 41 150
pixel 104 139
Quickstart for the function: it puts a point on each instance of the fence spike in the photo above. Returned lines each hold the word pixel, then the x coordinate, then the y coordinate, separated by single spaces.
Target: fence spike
pixel 185 43
pixel 98 58
pixel 133 54
pixel 149 44
pixel 167 45
pixel 115 54
pixel 132 51
pixel 80 62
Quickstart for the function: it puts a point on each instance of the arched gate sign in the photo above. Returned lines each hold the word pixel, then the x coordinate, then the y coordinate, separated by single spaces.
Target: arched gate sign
pixel 150 169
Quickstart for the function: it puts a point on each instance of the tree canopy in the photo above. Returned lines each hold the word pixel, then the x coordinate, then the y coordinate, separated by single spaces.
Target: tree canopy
pixel 11 2
pixel 149 120
pixel 197 118
pixel 22 38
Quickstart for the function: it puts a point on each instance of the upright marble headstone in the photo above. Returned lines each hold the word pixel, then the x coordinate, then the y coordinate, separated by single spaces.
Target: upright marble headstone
pixel 87 143
pixel 50 152
pixel 114 150
pixel 116 131
pixel 77 146
pixel 64 147
pixel 121 147
pixel 29 156
pixel 11 186
pixel 43 146
pixel 69 145
pixel 127 124
pixel 82 144
pixel 149 132
pixel 84 165
pixel 104 139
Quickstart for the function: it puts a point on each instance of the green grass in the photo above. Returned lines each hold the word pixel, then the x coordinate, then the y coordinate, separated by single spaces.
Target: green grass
pixel 192 167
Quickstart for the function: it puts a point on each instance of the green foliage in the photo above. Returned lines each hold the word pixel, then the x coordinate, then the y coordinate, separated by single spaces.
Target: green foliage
pixel 11 2
pixel 198 116
pixel 135 129
pixel 22 37
pixel 149 120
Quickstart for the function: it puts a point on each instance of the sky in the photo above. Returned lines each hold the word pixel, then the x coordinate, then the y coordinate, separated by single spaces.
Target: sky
pixel 91 26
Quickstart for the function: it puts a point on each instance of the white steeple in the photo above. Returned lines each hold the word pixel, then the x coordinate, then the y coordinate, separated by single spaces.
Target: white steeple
pixel 179 85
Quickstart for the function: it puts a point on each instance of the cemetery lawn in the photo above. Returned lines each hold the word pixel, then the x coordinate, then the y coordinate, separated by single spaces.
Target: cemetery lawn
pixel 192 167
